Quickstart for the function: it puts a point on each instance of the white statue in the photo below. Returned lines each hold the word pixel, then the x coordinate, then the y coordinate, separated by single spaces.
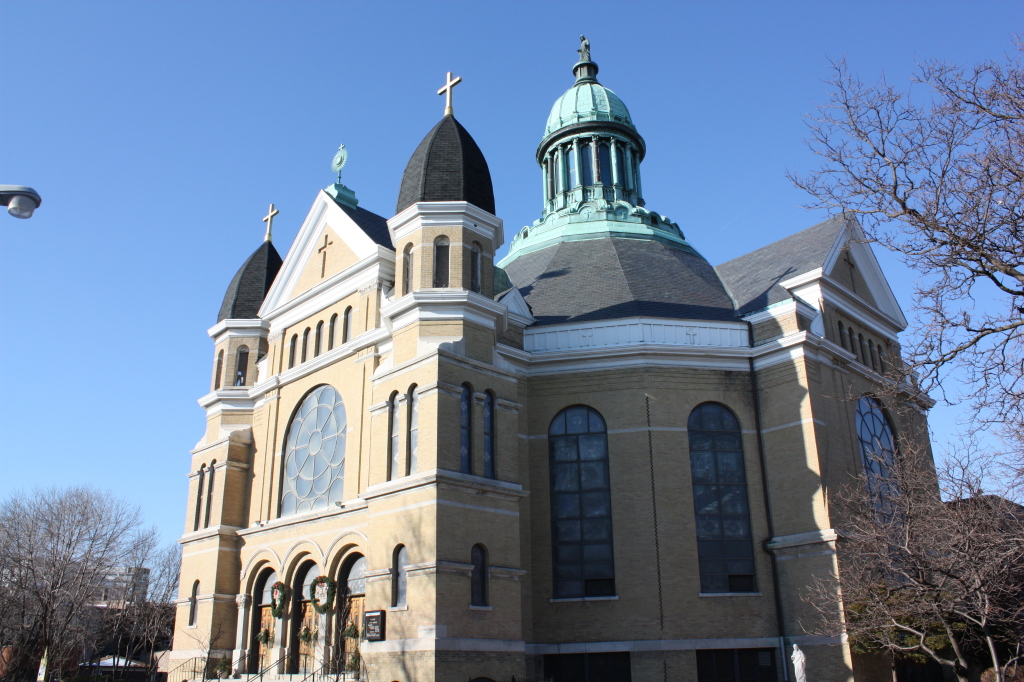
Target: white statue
pixel 799 664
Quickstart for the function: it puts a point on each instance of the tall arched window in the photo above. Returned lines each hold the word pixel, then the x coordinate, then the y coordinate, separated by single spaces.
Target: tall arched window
pixel 441 247
pixel 724 541
pixel 314 454
pixel 478 579
pixel 489 438
pixel 871 349
pixel 863 350
pixel 620 160
pixel 581 507
pixel 466 430
pixel 220 370
pixel 587 163
pixel 842 335
pixel 291 350
pixel 853 341
pixel 241 365
pixel 604 164
pixel 571 163
pixel 412 435
pixel 305 344
pixel 474 267
pixel 346 325
pixel 407 269
pixel 200 490
pixel 394 456
pixel 193 604
pixel 209 493
pixel 399 578
pixel 331 329
pixel 883 360
pixel 877 444
pixel 318 337
pixel 636 170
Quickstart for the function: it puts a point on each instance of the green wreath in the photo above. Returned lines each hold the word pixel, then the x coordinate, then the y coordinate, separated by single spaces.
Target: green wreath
pixel 278 598
pixel 332 588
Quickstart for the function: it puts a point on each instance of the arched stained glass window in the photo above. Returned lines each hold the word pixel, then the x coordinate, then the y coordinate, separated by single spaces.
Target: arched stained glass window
pixel 220 370
pixel 724 540
pixel 291 350
pixel 241 365
pixel 413 435
pixel 474 267
pixel 199 497
pixel 466 430
pixel 441 248
pixel 346 325
pixel 314 456
pixel 394 454
pixel 193 603
pixel 305 344
pixel 399 577
pixel 581 507
pixel 331 330
pixel 318 338
pixel 209 493
pixel 489 436
pixel 877 443
pixel 842 335
pixel 478 579
pixel 407 269
pixel 853 341
pixel 587 163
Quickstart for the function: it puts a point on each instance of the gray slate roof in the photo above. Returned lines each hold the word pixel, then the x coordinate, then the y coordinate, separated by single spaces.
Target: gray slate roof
pixel 375 227
pixel 611 278
pixel 753 279
pixel 250 284
pixel 447 166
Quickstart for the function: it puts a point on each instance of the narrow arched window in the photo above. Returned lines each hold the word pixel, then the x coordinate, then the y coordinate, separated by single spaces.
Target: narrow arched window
pixel 587 161
pixel 863 350
pixel 883 360
pixel 305 343
pixel 489 438
pixel 412 436
pixel 604 164
pixel 549 168
pixel 466 430
pixel 724 540
pixel 478 579
pixel 399 578
pixel 318 338
pixel 209 493
pixel 620 160
pixel 291 350
pixel 853 341
pixel 581 506
pixel 842 335
pixel 193 604
pixel 877 443
pixel 346 325
pixel 220 370
pixel 200 490
pixel 474 267
pixel 441 247
pixel 394 456
pixel 407 269
pixel 331 329
pixel 874 360
pixel 241 365
pixel 571 163
pixel 636 170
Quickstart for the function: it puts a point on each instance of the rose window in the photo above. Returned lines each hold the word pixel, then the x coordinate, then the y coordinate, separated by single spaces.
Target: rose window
pixel 314 456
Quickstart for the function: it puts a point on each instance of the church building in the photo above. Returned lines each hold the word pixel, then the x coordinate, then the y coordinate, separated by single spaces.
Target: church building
pixel 600 458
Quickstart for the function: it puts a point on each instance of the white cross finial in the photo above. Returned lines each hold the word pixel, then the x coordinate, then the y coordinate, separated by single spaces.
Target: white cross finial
pixel 447 90
pixel 269 220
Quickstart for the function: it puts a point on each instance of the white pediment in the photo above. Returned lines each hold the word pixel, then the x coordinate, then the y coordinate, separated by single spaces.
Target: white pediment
pixel 324 212
pixel 517 305
pixel 853 238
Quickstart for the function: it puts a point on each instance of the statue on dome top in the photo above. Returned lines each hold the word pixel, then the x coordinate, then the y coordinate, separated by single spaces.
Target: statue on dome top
pixel 584 49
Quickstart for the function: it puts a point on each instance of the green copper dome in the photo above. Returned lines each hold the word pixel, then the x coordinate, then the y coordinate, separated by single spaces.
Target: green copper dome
pixel 587 100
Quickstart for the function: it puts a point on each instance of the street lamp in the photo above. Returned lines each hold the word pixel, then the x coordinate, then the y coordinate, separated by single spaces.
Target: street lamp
pixel 20 201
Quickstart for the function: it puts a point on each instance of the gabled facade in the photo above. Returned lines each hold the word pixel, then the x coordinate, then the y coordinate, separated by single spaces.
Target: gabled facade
pixel 601 458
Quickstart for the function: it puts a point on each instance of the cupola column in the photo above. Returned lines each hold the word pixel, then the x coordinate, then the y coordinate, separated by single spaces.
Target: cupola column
pixel 595 152
pixel 577 158
pixel 616 176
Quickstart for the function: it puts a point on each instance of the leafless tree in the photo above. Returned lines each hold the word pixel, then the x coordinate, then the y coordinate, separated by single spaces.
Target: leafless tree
pixel 936 173
pixel 58 548
pixel 927 576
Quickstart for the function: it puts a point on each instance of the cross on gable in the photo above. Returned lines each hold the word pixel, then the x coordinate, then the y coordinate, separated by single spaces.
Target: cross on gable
pixel 323 252
pixel 447 91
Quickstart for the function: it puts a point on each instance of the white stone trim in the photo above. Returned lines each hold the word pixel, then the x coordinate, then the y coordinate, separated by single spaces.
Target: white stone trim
pixel 450 214
pixel 236 328
pixel 636 331
pixel 800 539
pixel 432 305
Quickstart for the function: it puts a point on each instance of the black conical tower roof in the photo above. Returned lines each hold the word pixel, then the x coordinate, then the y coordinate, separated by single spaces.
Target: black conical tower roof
pixel 250 284
pixel 447 166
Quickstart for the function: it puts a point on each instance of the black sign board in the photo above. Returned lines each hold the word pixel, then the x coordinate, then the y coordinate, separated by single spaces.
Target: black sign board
pixel 373 626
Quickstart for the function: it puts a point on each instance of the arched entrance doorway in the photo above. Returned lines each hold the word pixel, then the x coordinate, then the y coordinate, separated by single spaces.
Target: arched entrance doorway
pixel 303 626
pixel 262 622
pixel 351 595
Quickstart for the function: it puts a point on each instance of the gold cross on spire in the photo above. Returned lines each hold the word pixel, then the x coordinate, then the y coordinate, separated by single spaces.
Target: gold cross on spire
pixel 269 220
pixel 447 90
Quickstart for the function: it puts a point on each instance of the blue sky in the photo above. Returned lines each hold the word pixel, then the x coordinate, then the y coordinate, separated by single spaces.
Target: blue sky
pixel 158 133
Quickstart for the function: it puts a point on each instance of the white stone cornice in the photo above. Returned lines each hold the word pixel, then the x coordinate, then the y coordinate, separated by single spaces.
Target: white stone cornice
pixel 633 332
pixel 231 399
pixel 852 306
pixel 800 539
pixel 434 477
pixel 429 305
pixel 364 340
pixel 460 214
pixel 207 533
pixel 233 328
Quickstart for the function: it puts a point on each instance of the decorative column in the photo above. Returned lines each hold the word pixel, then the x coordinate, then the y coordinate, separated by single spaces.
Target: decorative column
pixel 595 163
pixel 578 162
pixel 242 601
pixel 544 179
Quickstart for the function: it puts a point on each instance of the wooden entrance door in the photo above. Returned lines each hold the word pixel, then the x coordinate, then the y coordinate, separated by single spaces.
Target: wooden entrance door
pixel 307 646
pixel 266 623
pixel 351 629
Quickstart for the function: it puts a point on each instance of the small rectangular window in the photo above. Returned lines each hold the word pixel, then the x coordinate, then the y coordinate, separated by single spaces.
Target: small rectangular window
pixel 736 665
